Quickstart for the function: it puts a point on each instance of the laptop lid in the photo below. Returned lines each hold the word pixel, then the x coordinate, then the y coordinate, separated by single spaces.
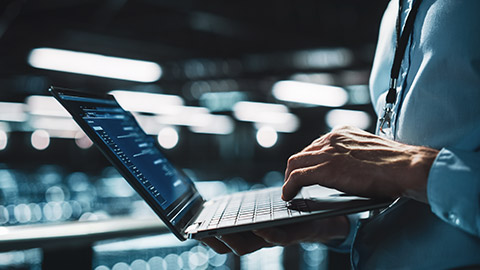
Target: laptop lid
pixel 168 191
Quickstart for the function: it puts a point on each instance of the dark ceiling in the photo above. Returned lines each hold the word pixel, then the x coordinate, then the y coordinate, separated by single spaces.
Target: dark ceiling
pixel 175 32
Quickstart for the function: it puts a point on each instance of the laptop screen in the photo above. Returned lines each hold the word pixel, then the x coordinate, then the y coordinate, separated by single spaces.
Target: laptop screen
pixel 133 152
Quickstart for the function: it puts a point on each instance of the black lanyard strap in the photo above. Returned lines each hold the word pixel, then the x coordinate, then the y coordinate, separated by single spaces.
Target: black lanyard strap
pixel 401 46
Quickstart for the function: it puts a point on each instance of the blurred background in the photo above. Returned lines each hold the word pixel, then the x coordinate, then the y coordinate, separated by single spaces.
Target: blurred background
pixel 230 89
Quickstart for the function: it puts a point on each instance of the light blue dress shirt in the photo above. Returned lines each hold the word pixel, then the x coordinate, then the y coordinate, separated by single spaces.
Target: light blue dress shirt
pixel 438 105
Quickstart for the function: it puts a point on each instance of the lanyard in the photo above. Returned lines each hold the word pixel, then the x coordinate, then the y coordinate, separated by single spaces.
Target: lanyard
pixel 401 46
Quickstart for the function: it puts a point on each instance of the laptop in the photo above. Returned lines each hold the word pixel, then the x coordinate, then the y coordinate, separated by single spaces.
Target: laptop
pixel 173 196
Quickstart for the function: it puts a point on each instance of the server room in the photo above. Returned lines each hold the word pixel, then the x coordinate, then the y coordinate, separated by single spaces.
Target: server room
pixel 228 97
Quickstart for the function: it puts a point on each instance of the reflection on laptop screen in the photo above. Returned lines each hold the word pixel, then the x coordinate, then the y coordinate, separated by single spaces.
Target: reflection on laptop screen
pixel 135 149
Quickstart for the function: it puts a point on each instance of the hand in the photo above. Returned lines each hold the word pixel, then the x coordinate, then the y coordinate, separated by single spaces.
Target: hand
pixel 360 163
pixel 321 230
pixel 238 243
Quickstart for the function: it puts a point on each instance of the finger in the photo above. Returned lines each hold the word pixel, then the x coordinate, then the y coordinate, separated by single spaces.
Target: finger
pixel 216 245
pixel 243 243
pixel 305 177
pixel 289 234
pixel 306 159
pixel 318 230
pixel 272 235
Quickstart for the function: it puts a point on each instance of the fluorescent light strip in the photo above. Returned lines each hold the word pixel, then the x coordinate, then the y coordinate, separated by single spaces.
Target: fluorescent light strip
pixel 338 117
pixel 12 112
pixel 46 106
pixel 94 65
pixel 267 114
pixel 53 123
pixel 3 139
pixel 198 123
pixel 323 58
pixel 255 107
pixel 310 93
pixel 213 124
pixel 252 111
pixel 148 102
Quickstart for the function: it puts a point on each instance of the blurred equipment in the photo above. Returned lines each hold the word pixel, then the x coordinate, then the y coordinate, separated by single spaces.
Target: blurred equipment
pixel 227 89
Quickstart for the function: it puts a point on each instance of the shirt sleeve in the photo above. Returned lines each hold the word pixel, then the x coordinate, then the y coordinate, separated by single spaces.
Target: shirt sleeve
pixel 453 188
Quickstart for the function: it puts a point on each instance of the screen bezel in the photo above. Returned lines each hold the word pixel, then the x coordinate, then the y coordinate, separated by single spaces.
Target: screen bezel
pixel 190 202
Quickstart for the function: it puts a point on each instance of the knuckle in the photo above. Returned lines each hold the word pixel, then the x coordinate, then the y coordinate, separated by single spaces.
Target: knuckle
pixel 290 160
pixel 319 140
pixel 340 148
pixel 293 158
pixel 342 128
pixel 330 138
pixel 293 161
pixel 295 174
pixel 334 135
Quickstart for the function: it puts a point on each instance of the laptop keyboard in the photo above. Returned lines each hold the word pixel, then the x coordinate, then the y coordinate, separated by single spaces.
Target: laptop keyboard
pixel 250 207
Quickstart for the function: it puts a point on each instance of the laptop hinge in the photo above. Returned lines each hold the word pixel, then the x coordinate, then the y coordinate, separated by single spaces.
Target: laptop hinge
pixel 196 222
pixel 193 228
pixel 194 217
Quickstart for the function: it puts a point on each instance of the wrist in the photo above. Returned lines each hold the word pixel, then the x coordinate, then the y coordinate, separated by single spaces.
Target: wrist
pixel 422 159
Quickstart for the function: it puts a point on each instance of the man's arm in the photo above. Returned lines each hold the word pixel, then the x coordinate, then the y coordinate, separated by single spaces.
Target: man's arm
pixel 347 159
pixel 364 164
pixel 360 163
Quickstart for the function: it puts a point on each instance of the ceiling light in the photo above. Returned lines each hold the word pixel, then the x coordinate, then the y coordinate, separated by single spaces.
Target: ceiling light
pixel 309 93
pixel 287 124
pixel 46 106
pixel 82 140
pixel 53 123
pixel 273 115
pixel 267 137
pixel 95 65
pixel 147 102
pixel 12 112
pixel 213 124
pixel 254 111
pixel 168 137
pixel 337 117
pixel 323 58
pixel 40 139
pixel 3 139
pixel 248 111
